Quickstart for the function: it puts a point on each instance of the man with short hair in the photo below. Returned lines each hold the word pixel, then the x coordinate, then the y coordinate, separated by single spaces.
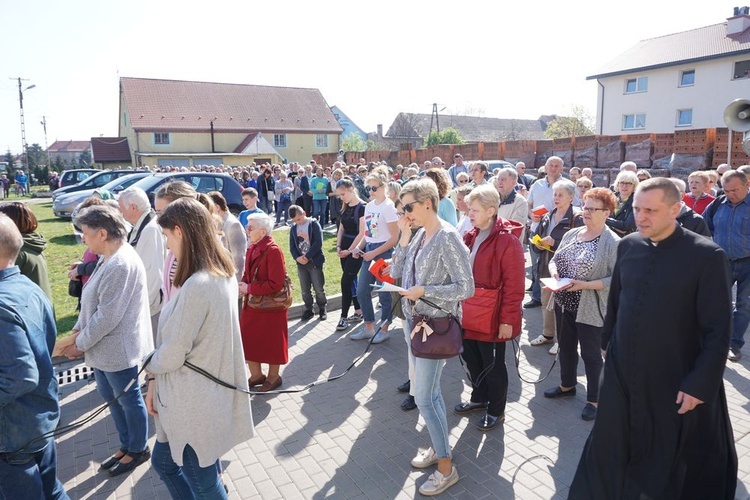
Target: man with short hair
pixel 662 428
pixel 574 173
pixel 28 389
pixel 513 206
pixel 727 218
pixel 455 169
pixel 146 237
pixel 523 178
pixel 306 247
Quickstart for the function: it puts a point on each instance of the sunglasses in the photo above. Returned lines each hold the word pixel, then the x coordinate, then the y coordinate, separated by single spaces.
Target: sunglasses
pixel 408 207
pixel 373 188
pixel 463 181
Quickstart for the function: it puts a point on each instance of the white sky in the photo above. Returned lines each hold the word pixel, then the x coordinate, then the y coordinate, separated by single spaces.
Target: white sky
pixel 372 59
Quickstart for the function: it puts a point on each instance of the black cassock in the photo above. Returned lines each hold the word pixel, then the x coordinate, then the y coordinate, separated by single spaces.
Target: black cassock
pixel 667 329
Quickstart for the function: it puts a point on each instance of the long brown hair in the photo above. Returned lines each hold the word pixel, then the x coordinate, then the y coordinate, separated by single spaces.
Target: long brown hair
pixel 200 250
pixel 20 214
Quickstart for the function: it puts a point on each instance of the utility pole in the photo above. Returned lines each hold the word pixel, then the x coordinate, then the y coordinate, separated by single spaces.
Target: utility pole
pixel 46 145
pixel 435 116
pixel 23 123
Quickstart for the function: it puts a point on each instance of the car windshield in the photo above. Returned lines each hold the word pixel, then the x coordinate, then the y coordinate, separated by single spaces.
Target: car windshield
pixel 124 182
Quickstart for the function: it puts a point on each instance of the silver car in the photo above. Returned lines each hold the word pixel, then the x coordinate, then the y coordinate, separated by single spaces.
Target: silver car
pixel 65 204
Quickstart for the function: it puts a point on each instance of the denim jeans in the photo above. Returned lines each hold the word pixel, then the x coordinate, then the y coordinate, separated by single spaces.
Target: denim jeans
pixel 266 205
pixel 536 287
pixel 189 481
pixel 429 399
pixel 128 412
pixel 569 335
pixel 31 475
pixel 311 275
pixel 364 290
pixel 282 208
pixel 319 210
pixel 741 316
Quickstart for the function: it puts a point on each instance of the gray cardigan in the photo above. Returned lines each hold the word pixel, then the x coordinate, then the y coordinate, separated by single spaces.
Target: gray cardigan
pixel 115 322
pixel 590 310
pixel 201 324
pixel 442 267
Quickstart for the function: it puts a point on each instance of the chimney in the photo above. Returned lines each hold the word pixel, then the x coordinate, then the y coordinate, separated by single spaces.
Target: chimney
pixel 380 130
pixel 738 23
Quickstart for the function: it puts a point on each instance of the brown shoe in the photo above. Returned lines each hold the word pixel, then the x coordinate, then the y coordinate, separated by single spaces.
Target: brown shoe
pixel 269 386
pixel 252 383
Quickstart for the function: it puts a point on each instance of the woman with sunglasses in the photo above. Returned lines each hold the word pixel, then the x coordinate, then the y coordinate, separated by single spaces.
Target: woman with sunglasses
pixel 586 255
pixel 378 230
pixel 622 220
pixel 433 264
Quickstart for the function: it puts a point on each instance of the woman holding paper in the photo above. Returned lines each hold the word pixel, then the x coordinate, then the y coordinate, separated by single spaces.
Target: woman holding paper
pixel 547 237
pixel 587 257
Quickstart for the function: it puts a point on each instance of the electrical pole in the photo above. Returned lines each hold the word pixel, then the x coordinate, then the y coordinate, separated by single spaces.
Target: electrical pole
pixel 23 124
pixel 46 145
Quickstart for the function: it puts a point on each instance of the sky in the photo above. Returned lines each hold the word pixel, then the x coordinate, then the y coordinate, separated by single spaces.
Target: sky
pixel 371 59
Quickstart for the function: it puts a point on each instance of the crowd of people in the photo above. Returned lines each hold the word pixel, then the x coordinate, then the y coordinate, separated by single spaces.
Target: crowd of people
pixel 447 235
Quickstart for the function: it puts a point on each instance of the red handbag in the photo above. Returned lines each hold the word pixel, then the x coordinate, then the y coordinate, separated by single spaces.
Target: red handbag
pixel 480 312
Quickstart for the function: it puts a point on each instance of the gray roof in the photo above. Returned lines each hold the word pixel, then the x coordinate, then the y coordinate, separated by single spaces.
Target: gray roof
pixel 710 42
pixel 470 128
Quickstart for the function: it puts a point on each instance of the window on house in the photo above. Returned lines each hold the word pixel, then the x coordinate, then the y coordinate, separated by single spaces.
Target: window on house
pixel 635 121
pixel 161 138
pixel 684 117
pixel 321 140
pixel 279 140
pixel 687 78
pixel 633 85
pixel 741 70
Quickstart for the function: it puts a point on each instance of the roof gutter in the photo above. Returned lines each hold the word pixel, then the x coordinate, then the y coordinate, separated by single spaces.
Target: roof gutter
pixel 601 109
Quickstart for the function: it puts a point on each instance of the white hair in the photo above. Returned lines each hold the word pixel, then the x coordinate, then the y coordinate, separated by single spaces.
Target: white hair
pixel 566 186
pixel 136 196
pixel 264 221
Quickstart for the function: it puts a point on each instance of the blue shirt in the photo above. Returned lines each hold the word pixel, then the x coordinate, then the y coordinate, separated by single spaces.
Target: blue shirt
pixel 247 213
pixel 730 227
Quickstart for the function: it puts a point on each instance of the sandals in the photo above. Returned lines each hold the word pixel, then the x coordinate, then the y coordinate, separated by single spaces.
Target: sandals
pixel 541 340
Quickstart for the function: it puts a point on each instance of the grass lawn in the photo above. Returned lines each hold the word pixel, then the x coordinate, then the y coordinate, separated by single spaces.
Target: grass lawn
pixel 62 250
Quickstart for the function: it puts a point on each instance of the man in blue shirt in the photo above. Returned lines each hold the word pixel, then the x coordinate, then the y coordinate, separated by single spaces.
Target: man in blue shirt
pixel 455 169
pixel 728 218
pixel 28 389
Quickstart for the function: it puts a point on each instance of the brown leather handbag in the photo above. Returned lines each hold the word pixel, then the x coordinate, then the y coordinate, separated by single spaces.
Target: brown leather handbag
pixel 274 301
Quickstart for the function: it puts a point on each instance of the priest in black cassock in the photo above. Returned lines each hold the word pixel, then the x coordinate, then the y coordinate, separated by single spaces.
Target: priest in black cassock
pixel 662 430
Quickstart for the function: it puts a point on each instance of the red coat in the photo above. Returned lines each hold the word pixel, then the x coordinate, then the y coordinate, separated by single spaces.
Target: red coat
pixel 265 336
pixel 500 263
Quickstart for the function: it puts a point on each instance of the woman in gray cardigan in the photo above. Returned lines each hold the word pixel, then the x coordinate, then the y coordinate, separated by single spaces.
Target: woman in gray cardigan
pixel 197 420
pixel 587 257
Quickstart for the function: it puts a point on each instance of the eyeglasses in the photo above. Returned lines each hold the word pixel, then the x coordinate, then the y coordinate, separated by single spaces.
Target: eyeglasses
pixel 400 214
pixel 463 181
pixel 373 188
pixel 591 210
pixel 623 183
pixel 408 206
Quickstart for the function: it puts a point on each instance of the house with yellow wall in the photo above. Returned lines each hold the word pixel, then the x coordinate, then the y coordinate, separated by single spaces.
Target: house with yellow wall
pixel 183 123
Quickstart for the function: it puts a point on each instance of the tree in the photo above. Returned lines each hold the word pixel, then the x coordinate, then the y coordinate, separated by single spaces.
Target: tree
pixel 353 142
pixel 10 159
pixel 446 136
pixel 84 160
pixel 578 123
pixel 59 166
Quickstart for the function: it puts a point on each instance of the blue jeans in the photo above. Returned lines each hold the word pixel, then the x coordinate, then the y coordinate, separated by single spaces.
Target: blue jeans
pixel 364 289
pixel 319 210
pixel 266 205
pixel 31 475
pixel 429 399
pixel 536 287
pixel 282 208
pixel 128 412
pixel 191 480
pixel 741 316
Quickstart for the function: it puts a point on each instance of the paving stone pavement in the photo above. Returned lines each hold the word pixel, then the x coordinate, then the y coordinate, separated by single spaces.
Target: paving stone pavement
pixel 349 439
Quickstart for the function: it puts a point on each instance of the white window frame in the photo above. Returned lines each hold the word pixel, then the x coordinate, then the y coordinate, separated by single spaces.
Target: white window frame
pixel 680 114
pixel 321 140
pixel 682 78
pixel 279 140
pixel 162 143
pixel 641 85
pixel 635 118
pixel 744 69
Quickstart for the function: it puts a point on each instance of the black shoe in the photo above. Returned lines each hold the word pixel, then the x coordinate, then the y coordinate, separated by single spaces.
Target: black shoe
pixel 343 325
pixel 734 354
pixel 531 303
pixel 323 316
pixel 466 408
pixel 308 315
pixel 138 459
pixel 557 392
pixel 488 422
pixel 529 289
pixel 111 461
pixel 405 387
pixel 589 412
pixel 408 404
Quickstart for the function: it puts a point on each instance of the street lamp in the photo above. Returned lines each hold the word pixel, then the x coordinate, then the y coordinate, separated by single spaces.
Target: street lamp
pixel 23 123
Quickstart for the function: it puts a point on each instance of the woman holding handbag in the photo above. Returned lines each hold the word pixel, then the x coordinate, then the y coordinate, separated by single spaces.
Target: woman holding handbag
pixel 493 315
pixel 265 337
pixel 434 269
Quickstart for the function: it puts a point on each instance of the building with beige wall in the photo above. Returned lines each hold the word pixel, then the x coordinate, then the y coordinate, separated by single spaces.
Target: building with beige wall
pixel 675 82
pixel 182 123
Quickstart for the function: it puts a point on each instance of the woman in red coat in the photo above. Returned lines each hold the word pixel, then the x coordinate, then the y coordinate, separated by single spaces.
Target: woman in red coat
pixel 264 332
pixel 497 263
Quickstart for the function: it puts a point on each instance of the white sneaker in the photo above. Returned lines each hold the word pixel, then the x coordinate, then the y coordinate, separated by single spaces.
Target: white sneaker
pixel 541 340
pixel 553 350
pixel 363 334
pixel 424 459
pixel 381 336
pixel 438 483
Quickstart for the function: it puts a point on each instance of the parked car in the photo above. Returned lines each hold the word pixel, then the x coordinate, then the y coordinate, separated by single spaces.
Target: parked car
pixel 96 180
pixel 71 177
pixel 203 182
pixel 493 164
pixel 65 204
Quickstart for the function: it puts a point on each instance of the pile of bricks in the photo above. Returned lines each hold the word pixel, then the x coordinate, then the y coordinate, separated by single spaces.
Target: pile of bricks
pixel 739 157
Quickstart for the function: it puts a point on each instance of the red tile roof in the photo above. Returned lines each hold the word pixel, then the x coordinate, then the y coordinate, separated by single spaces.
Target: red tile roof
pixel 174 105
pixel 710 42
pixel 107 149
pixel 247 140
pixel 69 146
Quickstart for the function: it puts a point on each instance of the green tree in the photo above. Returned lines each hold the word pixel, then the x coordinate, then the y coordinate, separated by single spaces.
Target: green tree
pixel 84 160
pixel 353 142
pixel 59 166
pixel 10 159
pixel 578 123
pixel 447 136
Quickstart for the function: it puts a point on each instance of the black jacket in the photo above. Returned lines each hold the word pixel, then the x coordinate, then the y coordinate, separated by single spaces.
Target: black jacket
pixel 571 219
pixel 624 222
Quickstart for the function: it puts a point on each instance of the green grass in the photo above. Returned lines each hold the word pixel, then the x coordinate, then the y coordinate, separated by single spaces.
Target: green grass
pixel 62 250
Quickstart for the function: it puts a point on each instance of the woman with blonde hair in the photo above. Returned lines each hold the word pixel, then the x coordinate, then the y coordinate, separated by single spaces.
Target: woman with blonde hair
pixel 197 421
pixel 394 190
pixel 622 220
pixel 446 209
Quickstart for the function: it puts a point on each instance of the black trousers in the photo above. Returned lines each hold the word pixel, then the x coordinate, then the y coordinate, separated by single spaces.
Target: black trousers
pixel 492 387
pixel 569 335
pixel 350 270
